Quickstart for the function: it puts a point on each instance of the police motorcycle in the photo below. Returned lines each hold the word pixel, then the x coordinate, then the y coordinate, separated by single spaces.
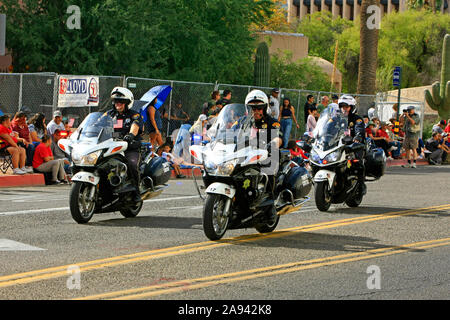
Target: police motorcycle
pixel 237 186
pixel 101 180
pixel 334 163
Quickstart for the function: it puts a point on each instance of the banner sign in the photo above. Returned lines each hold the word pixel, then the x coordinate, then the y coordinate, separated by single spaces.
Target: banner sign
pixel 78 91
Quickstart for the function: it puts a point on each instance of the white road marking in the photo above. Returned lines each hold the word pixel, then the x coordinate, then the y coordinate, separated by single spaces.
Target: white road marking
pixel 10 245
pixel 49 210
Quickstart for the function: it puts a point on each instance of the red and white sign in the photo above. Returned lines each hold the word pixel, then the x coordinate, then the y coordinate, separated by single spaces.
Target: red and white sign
pixel 78 91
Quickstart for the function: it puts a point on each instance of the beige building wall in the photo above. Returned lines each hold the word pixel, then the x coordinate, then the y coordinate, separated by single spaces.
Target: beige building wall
pixel 415 94
pixel 295 43
pixel 345 9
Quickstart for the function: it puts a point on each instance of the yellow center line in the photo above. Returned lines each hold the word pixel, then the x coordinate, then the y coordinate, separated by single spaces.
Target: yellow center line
pixel 61 271
pixel 197 283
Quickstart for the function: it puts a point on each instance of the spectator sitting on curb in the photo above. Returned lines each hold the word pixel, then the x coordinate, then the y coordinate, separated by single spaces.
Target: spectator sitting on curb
pixel 396 153
pixel 9 142
pixel 164 152
pixel 44 161
pixel 37 128
pixel 387 144
pixel 56 123
pixel 58 154
pixel 439 127
pixel 447 128
pixel 19 125
pixel 437 148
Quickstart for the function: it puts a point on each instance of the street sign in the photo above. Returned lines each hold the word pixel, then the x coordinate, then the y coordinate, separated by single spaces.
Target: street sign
pixel 396 78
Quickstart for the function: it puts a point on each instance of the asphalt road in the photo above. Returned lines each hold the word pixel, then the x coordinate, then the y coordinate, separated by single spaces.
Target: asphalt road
pixel 394 246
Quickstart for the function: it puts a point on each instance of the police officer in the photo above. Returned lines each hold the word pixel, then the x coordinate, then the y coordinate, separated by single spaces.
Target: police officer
pixel 357 130
pixel 129 125
pixel 258 102
pixel 267 133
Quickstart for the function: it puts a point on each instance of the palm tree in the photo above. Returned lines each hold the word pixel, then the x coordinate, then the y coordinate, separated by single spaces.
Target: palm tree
pixel 368 55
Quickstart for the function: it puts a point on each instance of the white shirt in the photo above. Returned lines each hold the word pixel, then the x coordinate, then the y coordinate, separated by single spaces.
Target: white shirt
pixel 273 111
pixel 52 126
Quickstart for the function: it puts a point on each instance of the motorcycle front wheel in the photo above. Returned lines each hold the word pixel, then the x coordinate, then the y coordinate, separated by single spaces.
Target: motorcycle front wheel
pixel 82 201
pixel 215 219
pixel 322 195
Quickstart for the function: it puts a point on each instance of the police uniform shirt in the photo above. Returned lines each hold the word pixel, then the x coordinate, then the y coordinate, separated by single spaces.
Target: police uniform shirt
pixel 125 120
pixel 267 124
pixel 356 126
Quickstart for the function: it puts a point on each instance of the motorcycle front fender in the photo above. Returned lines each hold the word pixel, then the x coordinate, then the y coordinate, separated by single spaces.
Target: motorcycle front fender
pixel 325 175
pixel 221 188
pixel 87 177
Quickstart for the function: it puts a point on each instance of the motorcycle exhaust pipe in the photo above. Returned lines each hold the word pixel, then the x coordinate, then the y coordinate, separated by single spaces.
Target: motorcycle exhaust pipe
pixel 115 180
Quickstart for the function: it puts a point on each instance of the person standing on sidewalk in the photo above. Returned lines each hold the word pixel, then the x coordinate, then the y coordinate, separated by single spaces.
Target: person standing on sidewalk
pixel 412 132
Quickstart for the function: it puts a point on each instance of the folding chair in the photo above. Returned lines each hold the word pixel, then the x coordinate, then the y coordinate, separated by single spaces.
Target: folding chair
pixel 5 160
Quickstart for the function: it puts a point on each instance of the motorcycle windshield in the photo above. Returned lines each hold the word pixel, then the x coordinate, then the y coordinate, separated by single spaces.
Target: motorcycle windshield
pixel 97 127
pixel 231 123
pixel 330 127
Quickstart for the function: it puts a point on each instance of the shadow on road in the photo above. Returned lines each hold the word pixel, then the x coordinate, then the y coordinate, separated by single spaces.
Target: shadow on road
pixel 362 210
pixel 151 222
pixel 319 241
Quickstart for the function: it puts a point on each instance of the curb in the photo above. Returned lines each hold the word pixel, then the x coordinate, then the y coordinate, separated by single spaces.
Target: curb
pixel 26 180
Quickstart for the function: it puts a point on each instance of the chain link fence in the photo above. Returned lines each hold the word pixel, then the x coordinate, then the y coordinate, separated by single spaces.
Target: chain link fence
pixel 38 92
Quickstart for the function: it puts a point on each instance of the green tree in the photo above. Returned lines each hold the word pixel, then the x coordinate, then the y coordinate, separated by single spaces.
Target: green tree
pixel 196 40
pixel 300 74
pixel 322 31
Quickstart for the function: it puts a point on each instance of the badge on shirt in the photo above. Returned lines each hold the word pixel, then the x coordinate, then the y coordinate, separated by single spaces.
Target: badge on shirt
pixel 264 126
pixel 351 124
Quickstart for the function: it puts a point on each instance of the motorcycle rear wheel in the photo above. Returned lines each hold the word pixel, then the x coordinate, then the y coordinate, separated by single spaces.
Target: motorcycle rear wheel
pixel 82 205
pixel 267 227
pixel 322 195
pixel 355 200
pixel 215 220
pixel 132 212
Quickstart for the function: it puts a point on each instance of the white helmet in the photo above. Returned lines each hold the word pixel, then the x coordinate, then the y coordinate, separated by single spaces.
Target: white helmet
pixel 122 94
pixel 256 96
pixel 347 100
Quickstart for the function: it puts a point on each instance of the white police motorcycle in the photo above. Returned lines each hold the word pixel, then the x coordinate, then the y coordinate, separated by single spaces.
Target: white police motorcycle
pixel 101 180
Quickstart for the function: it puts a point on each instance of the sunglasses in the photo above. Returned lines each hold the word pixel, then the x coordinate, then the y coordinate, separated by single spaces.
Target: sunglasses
pixel 257 107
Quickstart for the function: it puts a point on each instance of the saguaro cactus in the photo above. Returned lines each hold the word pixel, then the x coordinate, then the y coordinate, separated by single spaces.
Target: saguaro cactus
pixel 262 66
pixel 439 98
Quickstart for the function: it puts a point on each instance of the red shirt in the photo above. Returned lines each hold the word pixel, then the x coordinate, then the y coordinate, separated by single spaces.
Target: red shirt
pixel 382 133
pixel 369 132
pixel 6 130
pixel 23 131
pixel 40 153
pixel 447 128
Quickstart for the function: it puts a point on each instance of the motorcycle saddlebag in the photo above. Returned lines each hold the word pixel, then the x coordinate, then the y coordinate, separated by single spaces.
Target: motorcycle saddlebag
pixel 298 181
pixel 375 163
pixel 159 170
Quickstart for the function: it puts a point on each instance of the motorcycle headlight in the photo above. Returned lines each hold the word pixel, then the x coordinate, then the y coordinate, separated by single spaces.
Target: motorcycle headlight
pixel 333 157
pixel 86 160
pixel 315 157
pixel 223 169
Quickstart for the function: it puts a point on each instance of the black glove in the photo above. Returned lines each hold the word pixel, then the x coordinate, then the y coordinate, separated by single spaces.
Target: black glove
pixel 129 137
